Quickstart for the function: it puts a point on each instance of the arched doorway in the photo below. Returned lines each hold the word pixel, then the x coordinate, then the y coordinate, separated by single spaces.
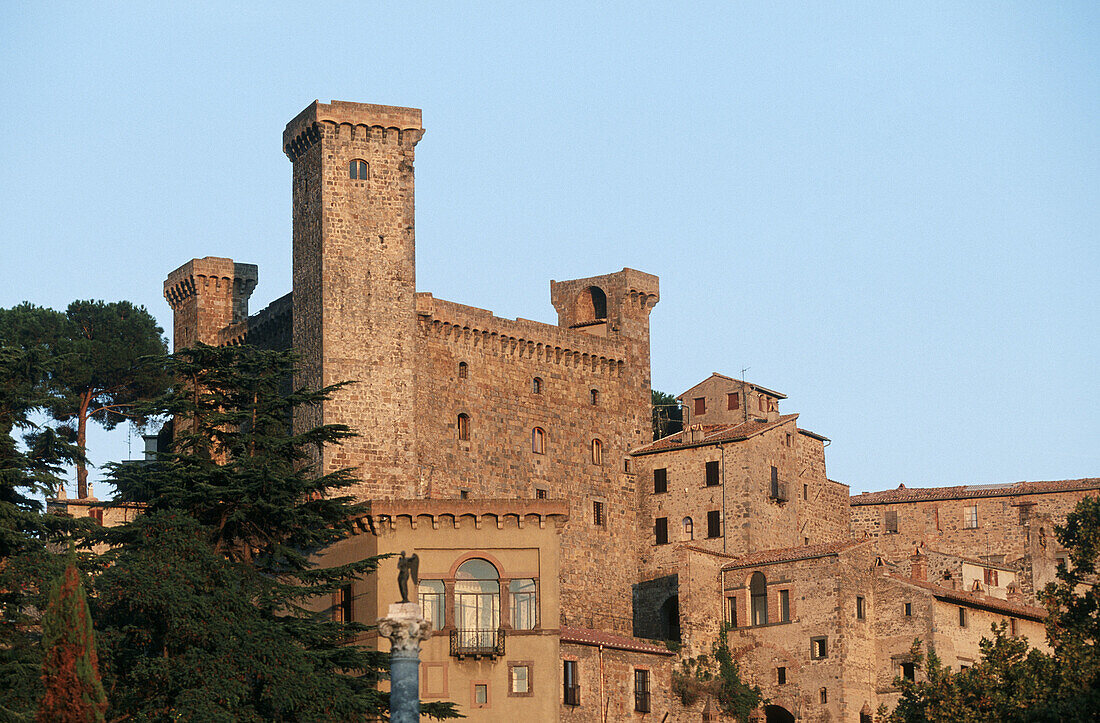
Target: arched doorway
pixel 670 618
pixel 777 714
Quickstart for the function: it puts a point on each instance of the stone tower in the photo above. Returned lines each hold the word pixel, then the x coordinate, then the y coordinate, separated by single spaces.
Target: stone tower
pixel 207 296
pixel 354 282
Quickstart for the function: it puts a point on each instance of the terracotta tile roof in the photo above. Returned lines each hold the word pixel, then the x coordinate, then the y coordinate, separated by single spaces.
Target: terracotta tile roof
pixel 790 554
pixel 714 434
pixel 587 636
pixel 921 494
pixel 975 599
pixel 750 385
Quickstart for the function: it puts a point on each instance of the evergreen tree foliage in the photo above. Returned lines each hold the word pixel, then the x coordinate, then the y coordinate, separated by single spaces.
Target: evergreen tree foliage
pixel 70 670
pixel 697 677
pixel 203 602
pixel 668 416
pixel 31 459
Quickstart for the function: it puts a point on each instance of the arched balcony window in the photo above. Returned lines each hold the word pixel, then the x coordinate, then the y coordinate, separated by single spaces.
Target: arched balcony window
pixel 758 589
pixel 477 603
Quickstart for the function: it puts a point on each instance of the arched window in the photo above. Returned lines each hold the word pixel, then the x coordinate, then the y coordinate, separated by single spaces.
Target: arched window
pixel 358 170
pixel 758 589
pixel 689 529
pixel 536 385
pixel 590 306
pixel 477 603
pixel 464 427
pixel 597 451
pixel 538 440
pixel 463 370
pixel 431 594
pixel 522 601
pixel 594 396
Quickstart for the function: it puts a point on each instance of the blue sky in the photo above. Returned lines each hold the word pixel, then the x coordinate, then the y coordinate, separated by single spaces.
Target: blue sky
pixel 887 211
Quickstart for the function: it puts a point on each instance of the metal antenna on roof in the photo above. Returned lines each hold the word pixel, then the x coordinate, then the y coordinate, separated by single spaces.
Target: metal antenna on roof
pixel 743 372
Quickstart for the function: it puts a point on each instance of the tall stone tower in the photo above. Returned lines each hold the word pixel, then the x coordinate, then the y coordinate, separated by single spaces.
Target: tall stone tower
pixel 355 281
pixel 208 296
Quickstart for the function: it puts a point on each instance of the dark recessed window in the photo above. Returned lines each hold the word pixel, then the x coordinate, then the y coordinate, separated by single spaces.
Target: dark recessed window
pixel 689 528
pixel 358 170
pixel 819 648
pixel 660 530
pixel 594 396
pixel 341 605
pixel 641 690
pixel 908 610
pixel 712 473
pixel 541 493
pixel 464 427
pixel 463 370
pixel 861 611
pixel 962 617
pixel 758 589
pixel 599 516
pixel 823 695
pixel 732 612
pixel 660 480
pixel 909 671
pixel 571 682
pixel 784 606
pixel 781 676
pixel 536 385
pixel 714 523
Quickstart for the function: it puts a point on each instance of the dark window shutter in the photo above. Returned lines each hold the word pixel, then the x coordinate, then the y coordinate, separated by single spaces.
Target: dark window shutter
pixel 660 530
pixel 660 480
pixel 714 523
pixel 712 473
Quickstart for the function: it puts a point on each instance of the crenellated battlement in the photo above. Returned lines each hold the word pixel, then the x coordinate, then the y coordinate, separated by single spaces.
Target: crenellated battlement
pixel 456 514
pixel 208 295
pixel 355 121
pixel 480 330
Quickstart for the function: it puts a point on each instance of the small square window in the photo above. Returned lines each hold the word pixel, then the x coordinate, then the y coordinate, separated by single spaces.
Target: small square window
pixel 819 648
pixel 464 494
pixel 541 493
pixel 781 675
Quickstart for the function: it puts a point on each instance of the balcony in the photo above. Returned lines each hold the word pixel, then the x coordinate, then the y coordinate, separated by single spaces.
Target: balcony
pixel 477 643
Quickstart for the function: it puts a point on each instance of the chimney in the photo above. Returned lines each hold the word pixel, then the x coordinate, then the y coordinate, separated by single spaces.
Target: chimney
pixel 918 565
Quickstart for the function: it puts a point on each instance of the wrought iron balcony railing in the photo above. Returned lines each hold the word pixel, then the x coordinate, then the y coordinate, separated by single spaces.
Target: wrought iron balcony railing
pixel 477 643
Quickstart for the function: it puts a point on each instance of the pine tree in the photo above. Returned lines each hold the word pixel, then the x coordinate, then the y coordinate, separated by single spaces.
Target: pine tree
pixel 70 670
pixel 203 603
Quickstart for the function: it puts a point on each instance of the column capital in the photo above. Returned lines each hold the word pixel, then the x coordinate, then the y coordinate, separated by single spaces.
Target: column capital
pixel 405 627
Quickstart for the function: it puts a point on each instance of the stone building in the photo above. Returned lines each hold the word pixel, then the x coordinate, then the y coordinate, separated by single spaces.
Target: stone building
pixel 569 561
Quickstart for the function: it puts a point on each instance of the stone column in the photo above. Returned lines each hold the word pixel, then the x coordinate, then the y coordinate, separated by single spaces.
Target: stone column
pixel 405 627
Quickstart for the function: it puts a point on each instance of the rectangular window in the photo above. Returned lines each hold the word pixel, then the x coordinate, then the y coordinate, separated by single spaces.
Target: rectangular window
pixel 909 671
pixel 819 648
pixel 598 516
pixel 431 595
pixel 660 530
pixel 641 690
pixel 1025 513
pixel 891 522
pixel 524 603
pixel 660 481
pixel 761 403
pixel 481 695
pixel 341 605
pixel 96 513
pixel 733 400
pixel 962 617
pixel 781 676
pixel 520 683
pixel 541 493
pixel 908 610
pixel 784 606
pixel 823 695
pixel 790 440
pixel 714 523
pixel 732 605
pixel 700 406
pixel 572 685
pixel 970 517
pixel 775 483
pixel 805 492
pixel 712 473
pixel 1012 627
pixel 990 577
pixel 861 611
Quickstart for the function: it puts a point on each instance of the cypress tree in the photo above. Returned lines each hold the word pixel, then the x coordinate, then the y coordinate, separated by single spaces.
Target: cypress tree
pixel 70 670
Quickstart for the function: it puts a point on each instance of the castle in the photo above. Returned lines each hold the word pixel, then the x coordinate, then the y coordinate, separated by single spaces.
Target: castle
pixel 569 562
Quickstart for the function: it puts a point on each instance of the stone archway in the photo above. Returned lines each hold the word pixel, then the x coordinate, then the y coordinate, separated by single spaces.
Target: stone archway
pixel 777 714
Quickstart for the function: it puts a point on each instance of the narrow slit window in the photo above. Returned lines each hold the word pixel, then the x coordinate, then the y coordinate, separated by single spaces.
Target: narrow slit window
pixel 594 396
pixel 464 427
pixel 597 452
pixel 536 385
